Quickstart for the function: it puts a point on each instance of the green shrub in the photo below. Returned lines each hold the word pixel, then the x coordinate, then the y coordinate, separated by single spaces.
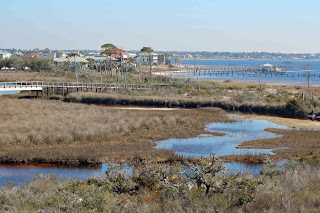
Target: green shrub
pixel 295 108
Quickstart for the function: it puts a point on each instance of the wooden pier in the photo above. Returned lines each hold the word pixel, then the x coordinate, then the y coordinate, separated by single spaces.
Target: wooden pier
pixel 63 88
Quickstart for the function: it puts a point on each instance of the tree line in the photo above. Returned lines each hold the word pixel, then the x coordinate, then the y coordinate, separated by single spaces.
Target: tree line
pixel 35 64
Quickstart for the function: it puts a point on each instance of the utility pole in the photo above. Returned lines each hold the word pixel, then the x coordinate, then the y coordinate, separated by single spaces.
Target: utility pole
pixel 307 71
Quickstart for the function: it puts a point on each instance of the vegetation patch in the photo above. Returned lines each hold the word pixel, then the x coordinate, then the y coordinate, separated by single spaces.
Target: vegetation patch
pixel 294 144
pixel 54 131
pixel 247 158
pixel 198 186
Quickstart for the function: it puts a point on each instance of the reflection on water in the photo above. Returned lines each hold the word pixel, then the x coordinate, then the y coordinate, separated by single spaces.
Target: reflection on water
pixel 253 169
pixel 235 133
pixel 26 173
pixel 22 172
pixel 18 173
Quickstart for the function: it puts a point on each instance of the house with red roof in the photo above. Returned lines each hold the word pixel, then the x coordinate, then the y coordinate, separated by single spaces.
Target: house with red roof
pixel 32 54
pixel 118 54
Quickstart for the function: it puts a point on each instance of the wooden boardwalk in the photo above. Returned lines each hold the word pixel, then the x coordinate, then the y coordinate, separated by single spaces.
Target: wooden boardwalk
pixel 63 88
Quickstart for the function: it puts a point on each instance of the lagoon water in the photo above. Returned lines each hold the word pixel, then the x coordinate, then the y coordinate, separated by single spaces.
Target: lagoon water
pixel 9 92
pixel 21 173
pixel 265 79
pixel 236 132
pixel 18 173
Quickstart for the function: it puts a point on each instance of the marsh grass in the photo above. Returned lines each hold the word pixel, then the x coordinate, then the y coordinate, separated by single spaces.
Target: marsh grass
pixel 247 158
pixel 177 101
pixel 55 131
pixel 293 145
pixel 295 189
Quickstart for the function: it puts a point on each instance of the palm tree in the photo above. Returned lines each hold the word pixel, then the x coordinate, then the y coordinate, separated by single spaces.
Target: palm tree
pixel 131 61
pixel 109 50
pixel 148 50
pixel 73 57
pixel 101 64
pixel 90 62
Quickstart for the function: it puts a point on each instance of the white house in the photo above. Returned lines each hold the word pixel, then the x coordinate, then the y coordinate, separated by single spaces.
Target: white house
pixel 97 58
pixel 77 61
pixel 4 54
pixel 47 56
pixel 156 59
pixel 18 53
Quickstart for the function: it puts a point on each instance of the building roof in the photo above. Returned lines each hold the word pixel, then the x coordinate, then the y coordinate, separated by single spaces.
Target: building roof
pixel 3 52
pixel 75 59
pixel 117 51
pixel 96 58
pixel 32 54
pixel 146 54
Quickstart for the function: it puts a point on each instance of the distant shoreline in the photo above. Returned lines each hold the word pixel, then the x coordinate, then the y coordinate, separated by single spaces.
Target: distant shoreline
pixel 223 59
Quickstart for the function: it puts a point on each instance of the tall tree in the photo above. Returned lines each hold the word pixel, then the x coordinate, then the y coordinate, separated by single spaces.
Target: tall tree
pixel 148 50
pixel 73 57
pixel 109 50
pixel 67 65
pixel 90 62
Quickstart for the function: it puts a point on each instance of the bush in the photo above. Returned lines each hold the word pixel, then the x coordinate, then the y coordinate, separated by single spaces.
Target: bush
pixel 295 108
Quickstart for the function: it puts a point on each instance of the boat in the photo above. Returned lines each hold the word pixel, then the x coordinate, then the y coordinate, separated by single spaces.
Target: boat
pixel 271 68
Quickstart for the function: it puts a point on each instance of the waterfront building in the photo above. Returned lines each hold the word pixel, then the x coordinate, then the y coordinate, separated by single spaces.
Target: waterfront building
pixel 154 58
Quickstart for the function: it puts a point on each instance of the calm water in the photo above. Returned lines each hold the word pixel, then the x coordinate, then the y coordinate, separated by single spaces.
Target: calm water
pixel 18 174
pixel 280 80
pixel 236 133
pixel 9 92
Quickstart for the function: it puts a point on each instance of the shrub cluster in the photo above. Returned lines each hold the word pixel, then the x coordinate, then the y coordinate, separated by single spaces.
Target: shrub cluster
pixel 198 186
pixel 157 101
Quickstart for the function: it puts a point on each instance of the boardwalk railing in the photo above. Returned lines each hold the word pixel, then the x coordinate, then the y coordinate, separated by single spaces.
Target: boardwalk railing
pixel 43 84
pixel 67 87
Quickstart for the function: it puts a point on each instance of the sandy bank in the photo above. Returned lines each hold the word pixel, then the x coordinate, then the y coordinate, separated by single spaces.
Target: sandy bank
pixel 291 122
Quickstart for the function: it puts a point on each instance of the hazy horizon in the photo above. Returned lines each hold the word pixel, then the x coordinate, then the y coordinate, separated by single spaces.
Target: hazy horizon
pixel 214 26
pixel 193 51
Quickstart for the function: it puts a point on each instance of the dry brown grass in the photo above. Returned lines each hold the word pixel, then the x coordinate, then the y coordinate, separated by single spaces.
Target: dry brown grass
pixel 27 76
pixel 247 158
pixel 295 144
pixel 17 76
pixel 293 190
pixel 178 101
pixel 54 131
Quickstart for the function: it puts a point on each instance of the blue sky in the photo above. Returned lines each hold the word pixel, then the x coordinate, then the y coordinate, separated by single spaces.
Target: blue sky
pixel 206 25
